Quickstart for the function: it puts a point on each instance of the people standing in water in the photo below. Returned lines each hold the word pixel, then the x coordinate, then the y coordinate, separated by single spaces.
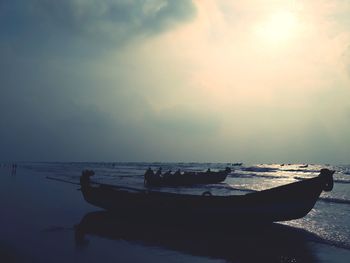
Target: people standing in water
pixel 153 178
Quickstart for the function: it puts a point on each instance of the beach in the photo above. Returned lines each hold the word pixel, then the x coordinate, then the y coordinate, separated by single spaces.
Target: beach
pixel 44 220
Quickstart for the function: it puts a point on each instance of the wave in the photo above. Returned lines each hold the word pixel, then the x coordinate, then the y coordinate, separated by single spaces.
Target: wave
pixel 301 170
pixel 249 175
pixel 228 187
pixel 335 200
pixel 340 181
pixel 240 175
pixel 259 169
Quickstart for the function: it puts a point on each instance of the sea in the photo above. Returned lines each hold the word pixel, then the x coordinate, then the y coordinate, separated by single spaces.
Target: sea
pixel 327 225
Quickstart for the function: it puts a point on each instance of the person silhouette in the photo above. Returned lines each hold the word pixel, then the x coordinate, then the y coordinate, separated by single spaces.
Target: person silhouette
pixel 177 173
pixel 159 172
pixel 167 174
pixel 149 175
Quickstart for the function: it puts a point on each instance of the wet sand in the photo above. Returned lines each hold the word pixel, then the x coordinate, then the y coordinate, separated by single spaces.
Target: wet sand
pixel 48 221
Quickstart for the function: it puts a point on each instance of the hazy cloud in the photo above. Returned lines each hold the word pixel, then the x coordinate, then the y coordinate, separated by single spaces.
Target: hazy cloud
pixel 43 24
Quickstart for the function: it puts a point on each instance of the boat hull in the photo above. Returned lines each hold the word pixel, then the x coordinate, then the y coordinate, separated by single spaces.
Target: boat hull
pixel 282 203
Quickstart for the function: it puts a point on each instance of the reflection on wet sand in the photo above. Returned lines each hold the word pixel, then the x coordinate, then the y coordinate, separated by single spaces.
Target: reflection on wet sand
pixel 271 243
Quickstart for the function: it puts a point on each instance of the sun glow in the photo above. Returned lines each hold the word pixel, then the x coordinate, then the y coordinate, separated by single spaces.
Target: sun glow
pixel 278 27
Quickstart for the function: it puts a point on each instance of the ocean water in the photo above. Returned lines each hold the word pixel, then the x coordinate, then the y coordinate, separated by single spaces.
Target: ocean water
pixel 328 223
pixel 329 220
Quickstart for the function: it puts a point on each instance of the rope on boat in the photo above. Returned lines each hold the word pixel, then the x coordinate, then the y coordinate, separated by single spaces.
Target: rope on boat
pixel 95 183
pixel 61 180
pixel 118 186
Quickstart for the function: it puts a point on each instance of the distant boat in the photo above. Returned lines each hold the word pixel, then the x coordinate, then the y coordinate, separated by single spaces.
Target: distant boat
pixel 186 178
pixel 281 203
pixel 303 166
pixel 237 164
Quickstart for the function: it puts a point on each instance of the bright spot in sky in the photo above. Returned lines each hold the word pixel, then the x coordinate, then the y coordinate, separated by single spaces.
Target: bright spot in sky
pixel 279 27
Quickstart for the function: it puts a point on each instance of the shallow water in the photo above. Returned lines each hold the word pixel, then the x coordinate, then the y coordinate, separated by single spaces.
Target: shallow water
pixel 40 214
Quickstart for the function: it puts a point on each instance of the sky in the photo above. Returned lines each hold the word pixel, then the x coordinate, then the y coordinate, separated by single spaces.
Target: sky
pixel 160 80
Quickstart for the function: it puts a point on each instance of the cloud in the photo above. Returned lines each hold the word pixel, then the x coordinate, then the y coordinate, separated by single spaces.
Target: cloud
pixel 42 24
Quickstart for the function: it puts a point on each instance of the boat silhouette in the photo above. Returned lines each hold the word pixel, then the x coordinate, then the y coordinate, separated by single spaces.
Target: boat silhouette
pixel 282 203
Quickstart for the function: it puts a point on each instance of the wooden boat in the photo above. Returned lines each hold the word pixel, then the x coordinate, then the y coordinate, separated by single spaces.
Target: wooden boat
pixel 281 203
pixel 187 178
